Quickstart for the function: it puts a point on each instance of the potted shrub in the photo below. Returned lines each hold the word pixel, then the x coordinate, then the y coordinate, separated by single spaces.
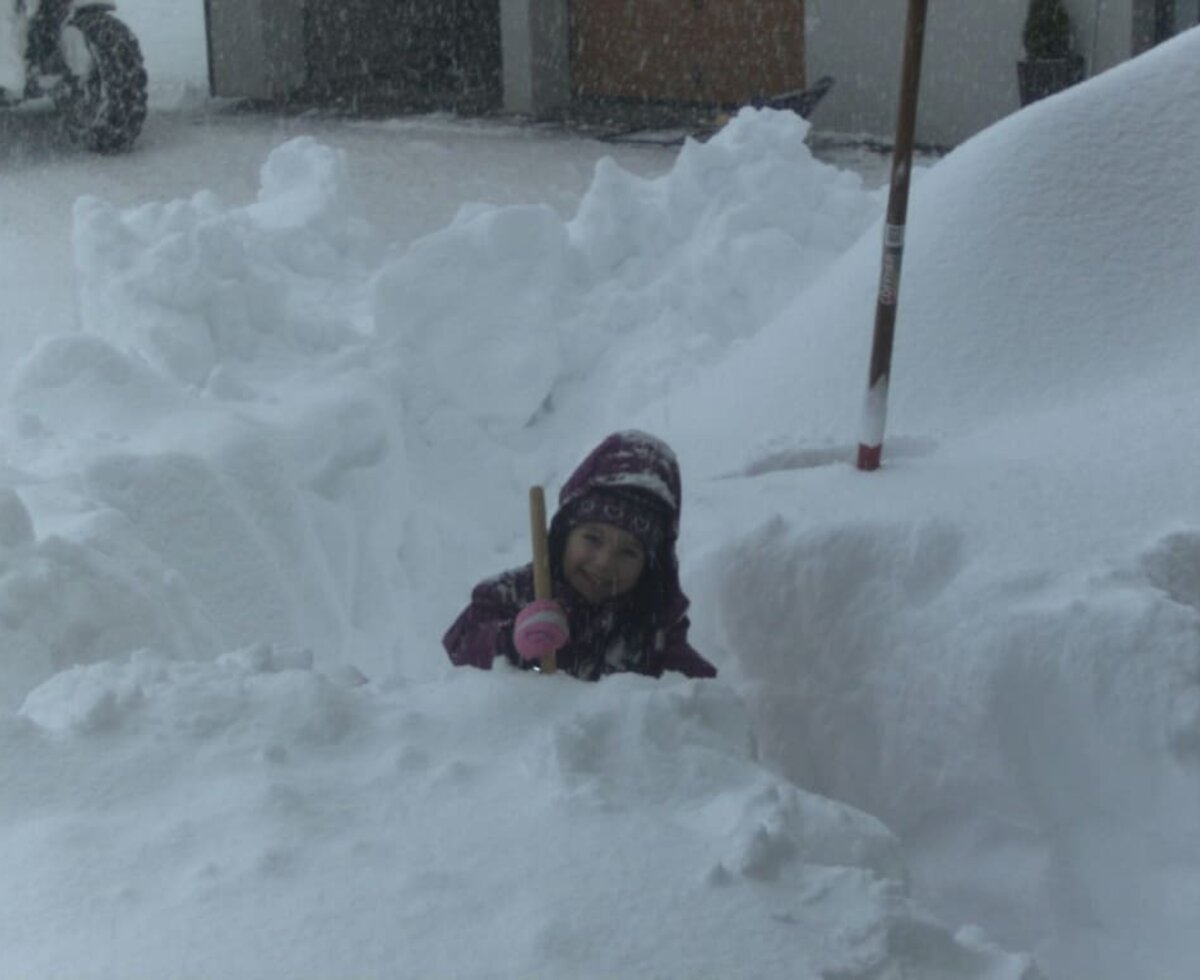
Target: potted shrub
pixel 1051 63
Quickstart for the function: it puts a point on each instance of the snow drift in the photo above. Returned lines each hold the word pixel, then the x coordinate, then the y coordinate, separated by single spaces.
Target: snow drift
pixel 994 644
pixel 289 804
pixel 279 449
pixel 240 479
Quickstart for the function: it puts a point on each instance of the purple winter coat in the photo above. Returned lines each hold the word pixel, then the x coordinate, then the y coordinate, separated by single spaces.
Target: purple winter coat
pixel 644 631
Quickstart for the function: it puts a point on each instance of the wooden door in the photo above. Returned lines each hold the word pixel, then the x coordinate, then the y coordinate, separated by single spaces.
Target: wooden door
pixel 720 52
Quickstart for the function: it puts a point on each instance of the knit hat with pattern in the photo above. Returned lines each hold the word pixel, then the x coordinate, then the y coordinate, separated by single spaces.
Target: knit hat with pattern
pixel 636 512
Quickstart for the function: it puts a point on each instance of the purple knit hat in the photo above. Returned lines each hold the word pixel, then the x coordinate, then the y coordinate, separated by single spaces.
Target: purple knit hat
pixel 635 512
pixel 633 462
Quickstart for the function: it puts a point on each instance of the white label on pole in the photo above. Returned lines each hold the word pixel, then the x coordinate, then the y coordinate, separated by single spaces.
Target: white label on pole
pixel 893 252
pixel 874 416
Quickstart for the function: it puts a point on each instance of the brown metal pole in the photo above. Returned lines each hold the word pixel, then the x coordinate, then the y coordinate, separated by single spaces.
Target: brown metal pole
pixel 543 585
pixel 870 447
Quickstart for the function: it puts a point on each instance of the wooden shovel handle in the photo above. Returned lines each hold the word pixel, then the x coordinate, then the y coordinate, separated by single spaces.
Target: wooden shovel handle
pixel 543 586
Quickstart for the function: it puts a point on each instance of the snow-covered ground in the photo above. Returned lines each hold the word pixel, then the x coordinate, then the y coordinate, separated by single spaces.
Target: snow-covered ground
pixel 274 391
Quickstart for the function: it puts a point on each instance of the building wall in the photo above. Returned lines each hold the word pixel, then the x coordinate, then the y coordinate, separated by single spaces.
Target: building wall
pixel 256 47
pixel 968 78
pixel 535 54
pixel 968 74
pixel 1105 30
pixel 1150 17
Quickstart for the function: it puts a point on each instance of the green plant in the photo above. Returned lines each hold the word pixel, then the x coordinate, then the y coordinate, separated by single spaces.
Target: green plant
pixel 1047 31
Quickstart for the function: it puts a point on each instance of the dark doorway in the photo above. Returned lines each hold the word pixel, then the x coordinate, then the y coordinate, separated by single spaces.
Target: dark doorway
pixel 1164 20
pixel 422 53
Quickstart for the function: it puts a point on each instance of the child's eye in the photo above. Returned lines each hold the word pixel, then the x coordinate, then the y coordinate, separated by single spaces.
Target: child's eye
pixel 631 553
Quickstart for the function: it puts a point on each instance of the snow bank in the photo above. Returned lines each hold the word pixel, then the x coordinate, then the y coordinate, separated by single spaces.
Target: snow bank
pixel 169 518
pixel 291 435
pixel 273 439
pixel 994 644
pixel 596 315
pixel 1049 260
pixel 1032 740
pixel 193 285
pixel 629 832
pixel 196 460
pixel 252 449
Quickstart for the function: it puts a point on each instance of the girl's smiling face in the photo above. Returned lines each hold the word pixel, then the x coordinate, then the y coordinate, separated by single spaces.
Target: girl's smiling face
pixel 602 562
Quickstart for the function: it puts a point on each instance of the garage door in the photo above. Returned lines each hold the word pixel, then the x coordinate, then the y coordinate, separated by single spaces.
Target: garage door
pixel 442 51
pixel 722 52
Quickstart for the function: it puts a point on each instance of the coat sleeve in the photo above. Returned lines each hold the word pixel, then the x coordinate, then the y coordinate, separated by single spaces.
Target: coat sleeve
pixel 679 655
pixel 483 631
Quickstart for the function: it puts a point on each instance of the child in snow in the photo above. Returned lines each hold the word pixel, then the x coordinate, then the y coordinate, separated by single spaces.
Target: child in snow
pixel 617 602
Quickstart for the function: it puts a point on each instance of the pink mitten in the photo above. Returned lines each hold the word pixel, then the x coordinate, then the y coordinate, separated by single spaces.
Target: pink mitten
pixel 540 629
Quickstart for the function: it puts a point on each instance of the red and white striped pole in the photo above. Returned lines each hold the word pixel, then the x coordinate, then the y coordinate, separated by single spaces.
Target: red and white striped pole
pixel 874 419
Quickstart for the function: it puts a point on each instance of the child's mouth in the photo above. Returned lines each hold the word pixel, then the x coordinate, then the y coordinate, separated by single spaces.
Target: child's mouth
pixel 597 588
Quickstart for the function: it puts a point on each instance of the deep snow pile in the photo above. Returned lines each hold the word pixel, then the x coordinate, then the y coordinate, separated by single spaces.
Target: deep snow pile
pixel 274 433
pixel 250 817
pixel 250 448
pixel 279 439
pixel 994 644
pixel 649 278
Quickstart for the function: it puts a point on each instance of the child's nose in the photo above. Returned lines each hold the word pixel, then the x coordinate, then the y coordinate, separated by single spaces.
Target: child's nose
pixel 603 559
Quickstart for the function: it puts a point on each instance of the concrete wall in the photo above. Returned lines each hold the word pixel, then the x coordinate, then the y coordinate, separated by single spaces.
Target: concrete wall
pixel 256 47
pixel 1104 31
pixel 969 77
pixel 535 54
pixel 1180 15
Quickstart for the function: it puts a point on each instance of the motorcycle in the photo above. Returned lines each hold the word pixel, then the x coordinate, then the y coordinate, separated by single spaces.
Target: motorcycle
pixel 81 56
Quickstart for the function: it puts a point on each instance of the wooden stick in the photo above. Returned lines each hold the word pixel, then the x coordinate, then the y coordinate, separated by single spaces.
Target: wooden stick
pixel 543 585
